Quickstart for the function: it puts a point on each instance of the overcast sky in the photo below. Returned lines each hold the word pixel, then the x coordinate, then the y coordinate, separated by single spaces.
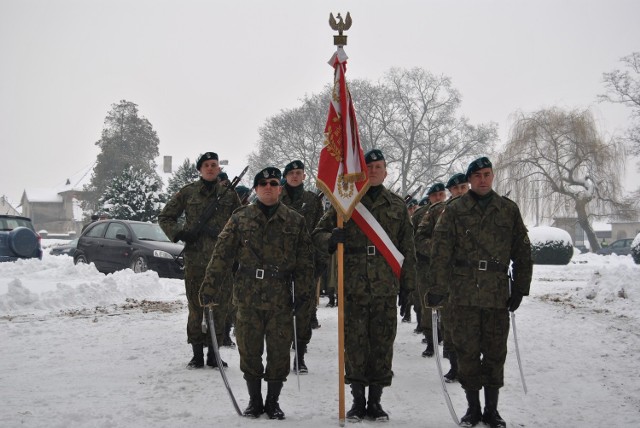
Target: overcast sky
pixel 207 74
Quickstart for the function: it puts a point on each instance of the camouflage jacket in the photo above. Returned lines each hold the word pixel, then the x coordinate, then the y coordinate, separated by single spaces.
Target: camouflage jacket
pixel 192 200
pixel 472 248
pixel 424 231
pixel 372 275
pixel 417 217
pixel 269 252
pixel 309 206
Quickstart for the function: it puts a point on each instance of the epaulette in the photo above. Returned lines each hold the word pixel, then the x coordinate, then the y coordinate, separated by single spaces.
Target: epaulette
pixel 448 201
pixel 509 200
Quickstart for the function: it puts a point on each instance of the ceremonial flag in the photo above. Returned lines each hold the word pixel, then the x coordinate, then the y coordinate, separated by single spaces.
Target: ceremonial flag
pixel 342 172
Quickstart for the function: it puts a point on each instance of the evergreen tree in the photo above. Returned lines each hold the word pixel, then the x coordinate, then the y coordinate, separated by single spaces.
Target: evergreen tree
pixel 185 174
pixel 127 140
pixel 134 195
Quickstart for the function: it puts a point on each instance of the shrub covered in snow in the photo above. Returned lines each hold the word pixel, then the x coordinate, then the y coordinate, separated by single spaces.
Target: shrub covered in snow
pixel 550 246
pixel 635 249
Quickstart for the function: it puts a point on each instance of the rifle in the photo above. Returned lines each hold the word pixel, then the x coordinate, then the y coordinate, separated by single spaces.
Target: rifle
pixel 410 196
pixel 201 223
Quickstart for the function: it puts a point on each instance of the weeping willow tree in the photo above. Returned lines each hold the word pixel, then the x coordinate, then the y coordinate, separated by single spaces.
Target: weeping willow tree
pixel 556 164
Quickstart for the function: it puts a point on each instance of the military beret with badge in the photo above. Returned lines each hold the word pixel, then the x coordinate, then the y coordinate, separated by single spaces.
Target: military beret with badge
pixel 205 157
pixel 477 165
pixel 267 173
pixel 457 178
pixel 437 187
pixel 296 164
pixel 373 155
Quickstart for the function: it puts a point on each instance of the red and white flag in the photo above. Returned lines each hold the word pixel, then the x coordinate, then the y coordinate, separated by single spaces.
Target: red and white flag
pixel 342 172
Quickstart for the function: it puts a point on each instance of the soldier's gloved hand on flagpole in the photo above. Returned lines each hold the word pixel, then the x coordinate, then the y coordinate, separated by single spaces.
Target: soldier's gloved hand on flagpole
pixel 338 236
pixel 207 300
pixel 434 300
pixel 514 301
pixel 186 236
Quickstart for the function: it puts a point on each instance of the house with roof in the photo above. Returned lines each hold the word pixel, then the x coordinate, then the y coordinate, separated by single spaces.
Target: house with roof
pixel 6 207
pixel 56 210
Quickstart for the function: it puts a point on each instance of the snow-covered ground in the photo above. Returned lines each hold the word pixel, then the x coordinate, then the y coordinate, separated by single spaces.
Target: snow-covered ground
pixel 81 349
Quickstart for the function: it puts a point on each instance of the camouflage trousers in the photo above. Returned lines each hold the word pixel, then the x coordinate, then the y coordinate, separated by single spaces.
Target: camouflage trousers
pixel 370 325
pixel 192 280
pixel 480 338
pixel 303 323
pixel 445 328
pixel 254 327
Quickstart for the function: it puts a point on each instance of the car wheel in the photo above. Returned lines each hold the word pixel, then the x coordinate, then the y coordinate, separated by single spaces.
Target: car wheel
pixel 80 259
pixel 138 263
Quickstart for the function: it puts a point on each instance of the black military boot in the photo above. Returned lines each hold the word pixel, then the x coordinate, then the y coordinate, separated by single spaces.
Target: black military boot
pixel 332 301
pixel 227 336
pixel 271 406
pixel 407 313
pixel 197 361
pixel 211 359
pixel 255 407
pixel 302 367
pixel 359 407
pixel 491 416
pixel 452 375
pixel 374 409
pixel 430 350
pixel 474 413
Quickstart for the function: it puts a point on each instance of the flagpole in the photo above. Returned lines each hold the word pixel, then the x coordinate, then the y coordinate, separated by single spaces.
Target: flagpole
pixel 340 293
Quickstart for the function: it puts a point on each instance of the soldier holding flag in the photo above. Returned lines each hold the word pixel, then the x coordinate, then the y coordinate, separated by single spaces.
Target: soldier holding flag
pixel 371 284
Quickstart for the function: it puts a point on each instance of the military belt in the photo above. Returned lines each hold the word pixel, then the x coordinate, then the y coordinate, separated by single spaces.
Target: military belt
pixel 489 265
pixel 369 250
pixel 259 273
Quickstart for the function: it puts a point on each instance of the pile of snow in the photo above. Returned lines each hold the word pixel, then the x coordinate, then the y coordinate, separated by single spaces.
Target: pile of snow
pixel 542 235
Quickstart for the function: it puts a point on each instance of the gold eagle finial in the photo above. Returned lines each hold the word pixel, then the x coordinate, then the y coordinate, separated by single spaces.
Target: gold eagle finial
pixel 340 26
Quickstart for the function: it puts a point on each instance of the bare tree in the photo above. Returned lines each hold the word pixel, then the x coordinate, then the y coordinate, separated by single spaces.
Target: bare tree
pixel 426 140
pixel 623 87
pixel 411 115
pixel 296 133
pixel 556 161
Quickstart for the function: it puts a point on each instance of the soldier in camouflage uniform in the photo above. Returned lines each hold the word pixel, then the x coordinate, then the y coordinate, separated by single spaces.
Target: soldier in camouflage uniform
pixel 436 195
pixel 476 238
pixel 272 246
pixel 416 299
pixel 192 200
pixel 370 289
pixel 308 205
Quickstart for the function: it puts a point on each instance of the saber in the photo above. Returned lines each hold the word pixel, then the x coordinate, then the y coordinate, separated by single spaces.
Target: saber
pixel 434 333
pixel 295 331
pixel 216 352
pixel 515 339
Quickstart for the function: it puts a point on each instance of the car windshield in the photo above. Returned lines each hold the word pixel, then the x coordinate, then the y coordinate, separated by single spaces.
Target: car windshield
pixel 149 232
pixel 10 223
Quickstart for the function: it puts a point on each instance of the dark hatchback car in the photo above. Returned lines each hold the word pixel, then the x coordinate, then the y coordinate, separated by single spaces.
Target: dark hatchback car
pixel 68 249
pixel 18 239
pixel 120 244
pixel 621 247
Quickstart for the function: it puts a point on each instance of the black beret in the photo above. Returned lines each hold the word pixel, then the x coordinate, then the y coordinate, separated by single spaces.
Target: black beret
pixel 296 164
pixel 438 187
pixel 478 164
pixel 268 172
pixel 457 178
pixel 373 155
pixel 223 176
pixel 423 201
pixel 412 202
pixel 242 190
pixel 204 157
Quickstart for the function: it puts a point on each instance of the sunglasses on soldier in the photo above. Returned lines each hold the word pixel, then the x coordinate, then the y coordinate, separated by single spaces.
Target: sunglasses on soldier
pixel 272 183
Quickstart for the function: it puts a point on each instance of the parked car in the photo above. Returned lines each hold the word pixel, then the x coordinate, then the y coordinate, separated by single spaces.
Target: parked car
pixel 120 244
pixel 18 239
pixel 621 247
pixel 68 249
